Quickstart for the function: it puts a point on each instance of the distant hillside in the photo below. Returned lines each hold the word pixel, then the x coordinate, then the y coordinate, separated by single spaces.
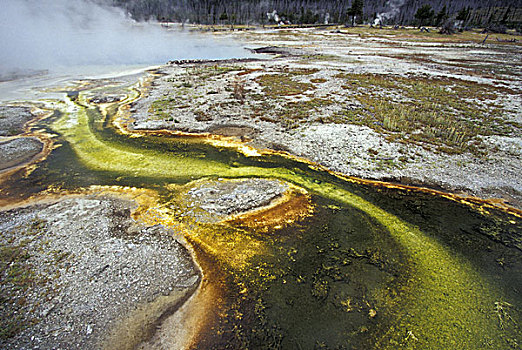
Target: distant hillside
pixel 477 12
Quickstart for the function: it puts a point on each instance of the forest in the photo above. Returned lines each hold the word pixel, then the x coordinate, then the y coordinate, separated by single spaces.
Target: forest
pixel 261 12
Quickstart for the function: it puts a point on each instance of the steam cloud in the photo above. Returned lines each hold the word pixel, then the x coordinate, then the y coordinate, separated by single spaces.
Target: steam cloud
pixel 44 34
pixel 394 9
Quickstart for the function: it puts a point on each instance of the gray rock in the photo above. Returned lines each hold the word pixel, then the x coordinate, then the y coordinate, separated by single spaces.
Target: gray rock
pixel 19 150
pixel 215 200
pixel 13 119
pixel 83 267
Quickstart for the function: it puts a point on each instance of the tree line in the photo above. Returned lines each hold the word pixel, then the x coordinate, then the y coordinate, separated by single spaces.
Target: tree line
pixel 403 12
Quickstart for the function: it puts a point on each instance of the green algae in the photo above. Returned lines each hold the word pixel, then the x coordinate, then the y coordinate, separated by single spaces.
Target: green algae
pixel 424 294
pixel 448 299
pixel 104 155
pixel 315 282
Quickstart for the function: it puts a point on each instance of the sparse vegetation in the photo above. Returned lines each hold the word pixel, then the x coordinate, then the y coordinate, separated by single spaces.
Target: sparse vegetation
pixel 278 85
pixel 294 113
pixel 318 80
pixel 239 90
pixel 17 275
pixel 440 114
pixel 448 114
pixel 160 109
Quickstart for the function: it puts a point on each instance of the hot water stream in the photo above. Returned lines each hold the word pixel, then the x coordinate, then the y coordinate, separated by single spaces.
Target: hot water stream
pixel 365 266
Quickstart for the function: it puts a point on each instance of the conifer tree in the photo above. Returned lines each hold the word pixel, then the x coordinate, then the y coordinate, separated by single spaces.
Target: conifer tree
pixel 356 11
pixel 424 14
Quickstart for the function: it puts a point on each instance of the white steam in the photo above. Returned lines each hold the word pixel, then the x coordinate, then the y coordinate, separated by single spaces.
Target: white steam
pixel 44 34
pixel 394 8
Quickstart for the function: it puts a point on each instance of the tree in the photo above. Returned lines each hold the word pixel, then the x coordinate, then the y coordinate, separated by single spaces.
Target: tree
pixel 441 17
pixel 470 12
pixel 356 11
pixel 506 16
pixel 424 15
pixel 463 14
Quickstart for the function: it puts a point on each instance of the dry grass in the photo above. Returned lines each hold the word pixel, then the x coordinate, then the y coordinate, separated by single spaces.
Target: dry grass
pixel 239 89
pixel 278 85
pixel 414 34
pixel 441 114
pixel 445 113
pixel 294 113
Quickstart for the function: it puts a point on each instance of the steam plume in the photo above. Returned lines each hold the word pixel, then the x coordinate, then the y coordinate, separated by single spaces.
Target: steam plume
pixel 42 34
pixel 394 8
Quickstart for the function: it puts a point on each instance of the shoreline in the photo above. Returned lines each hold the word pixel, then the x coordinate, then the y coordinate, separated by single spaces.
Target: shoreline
pixel 89 283
pixel 290 103
pixel 457 194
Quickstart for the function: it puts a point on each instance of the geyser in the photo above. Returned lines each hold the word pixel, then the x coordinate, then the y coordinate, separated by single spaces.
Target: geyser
pixel 48 34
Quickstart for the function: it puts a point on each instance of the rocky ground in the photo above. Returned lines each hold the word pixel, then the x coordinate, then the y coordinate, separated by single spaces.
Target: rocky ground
pixel 13 119
pixel 215 200
pixel 432 110
pixel 18 150
pixel 74 269
pixel 79 273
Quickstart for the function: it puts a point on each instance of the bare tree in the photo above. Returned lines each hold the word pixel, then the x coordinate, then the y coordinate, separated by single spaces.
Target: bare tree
pixel 472 12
